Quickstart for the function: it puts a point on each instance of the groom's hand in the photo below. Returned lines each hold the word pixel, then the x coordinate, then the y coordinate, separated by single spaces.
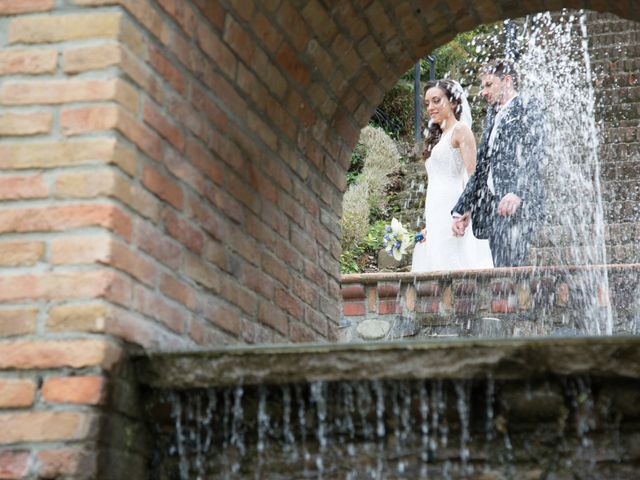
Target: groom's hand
pixel 509 204
pixel 460 224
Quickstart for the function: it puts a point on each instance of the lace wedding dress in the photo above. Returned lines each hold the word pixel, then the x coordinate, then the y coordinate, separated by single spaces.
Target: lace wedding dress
pixel 441 250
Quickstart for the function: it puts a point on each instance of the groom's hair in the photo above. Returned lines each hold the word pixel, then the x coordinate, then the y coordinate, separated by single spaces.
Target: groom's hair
pixel 501 68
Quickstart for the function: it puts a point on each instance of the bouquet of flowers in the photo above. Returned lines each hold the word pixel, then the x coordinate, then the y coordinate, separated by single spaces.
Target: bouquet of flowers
pixel 398 240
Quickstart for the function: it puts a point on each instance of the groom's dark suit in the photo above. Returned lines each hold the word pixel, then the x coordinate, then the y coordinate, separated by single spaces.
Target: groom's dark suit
pixel 515 157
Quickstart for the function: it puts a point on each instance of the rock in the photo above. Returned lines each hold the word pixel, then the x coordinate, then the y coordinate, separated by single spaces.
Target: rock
pixel 373 329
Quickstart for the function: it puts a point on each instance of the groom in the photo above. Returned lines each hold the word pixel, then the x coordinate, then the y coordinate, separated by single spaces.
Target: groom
pixel 504 197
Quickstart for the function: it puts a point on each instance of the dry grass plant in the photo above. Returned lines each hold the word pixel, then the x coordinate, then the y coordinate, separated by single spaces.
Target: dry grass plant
pixel 367 192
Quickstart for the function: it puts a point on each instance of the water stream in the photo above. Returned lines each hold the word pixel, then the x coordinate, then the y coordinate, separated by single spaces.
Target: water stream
pixel 391 429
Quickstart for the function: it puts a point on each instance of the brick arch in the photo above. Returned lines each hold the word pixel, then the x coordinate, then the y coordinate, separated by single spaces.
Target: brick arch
pixel 201 146
pixel 398 33
pixel 172 176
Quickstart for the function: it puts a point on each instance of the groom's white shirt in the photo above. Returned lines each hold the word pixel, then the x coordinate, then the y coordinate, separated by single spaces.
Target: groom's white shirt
pixel 492 137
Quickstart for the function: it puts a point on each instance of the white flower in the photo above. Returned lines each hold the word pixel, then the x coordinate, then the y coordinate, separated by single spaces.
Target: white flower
pixel 403 240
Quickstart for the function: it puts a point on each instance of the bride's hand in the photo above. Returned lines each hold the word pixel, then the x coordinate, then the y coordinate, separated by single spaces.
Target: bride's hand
pixel 424 235
pixel 460 224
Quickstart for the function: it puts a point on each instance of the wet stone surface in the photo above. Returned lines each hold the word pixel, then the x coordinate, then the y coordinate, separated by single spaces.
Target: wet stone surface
pixel 500 409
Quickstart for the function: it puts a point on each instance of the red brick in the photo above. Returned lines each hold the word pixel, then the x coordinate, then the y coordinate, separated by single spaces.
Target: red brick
pixel 20 253
pixel 183 231
pixel 503 306
pixel 353 291
pixel 224 318
pixel 86 390
pixel 270 315
pixel 167 70
pixel 503 287
pixel 427 306
pixel 164 187
pixel 427 289
pixel 179 291
pixel 182 12
pixel 464 288
pixel 301 333
pixel 12 7
pixel 389 307
pixel 156 120
pixel 30 354
pixel 181 167
pixel 78 120
pixel 201 273
pixel 208 218
pixel 212 45
pixel 353 308
pixel 65 217
pixel 231 96
pixel 297 29
pixel 204 161
pixel 146 139
pixel 17 321
pixel 239 40
pixel 269 36
pixel 288 59
pixel 154 306
pixel 388 290
pixel 216 253
pixel 30 155
pixel 23 124
pixel 66 462
pixel 58 285
pixel 16 392
pixel 203 102
pixel 301 109
pixel 14 464
pixel 158 246
pixel 45 426
pixel 61 28
pixel 28 92
pixel 212 11
pixel 143 76
pixel 93 57
pixel 289 303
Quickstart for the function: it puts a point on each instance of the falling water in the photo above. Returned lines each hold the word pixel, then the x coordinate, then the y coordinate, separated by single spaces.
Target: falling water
pixel 556 72
pixel 387 429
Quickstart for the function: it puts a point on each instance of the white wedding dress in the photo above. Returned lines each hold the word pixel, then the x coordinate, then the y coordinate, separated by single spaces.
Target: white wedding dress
pixel 441 250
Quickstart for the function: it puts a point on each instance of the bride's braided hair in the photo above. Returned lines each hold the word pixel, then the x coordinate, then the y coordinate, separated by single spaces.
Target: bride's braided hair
pixel 434 131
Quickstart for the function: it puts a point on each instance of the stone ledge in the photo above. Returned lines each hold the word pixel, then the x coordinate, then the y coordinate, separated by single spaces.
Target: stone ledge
pixel 503 359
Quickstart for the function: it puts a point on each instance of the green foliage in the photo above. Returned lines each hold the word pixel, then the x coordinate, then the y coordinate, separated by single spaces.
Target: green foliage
pixel 357 162
pixel 395 114
pixel 354 259
pixel 462 56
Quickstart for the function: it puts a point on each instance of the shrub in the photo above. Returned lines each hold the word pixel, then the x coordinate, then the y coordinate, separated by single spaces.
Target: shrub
pixel 365 196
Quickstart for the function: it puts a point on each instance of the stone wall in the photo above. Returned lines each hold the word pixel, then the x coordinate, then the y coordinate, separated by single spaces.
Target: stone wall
pixel 525 301
pixel 172 175
pixel 480 409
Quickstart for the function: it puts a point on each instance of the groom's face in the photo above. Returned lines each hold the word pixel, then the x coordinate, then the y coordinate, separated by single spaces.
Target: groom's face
pixel 493 89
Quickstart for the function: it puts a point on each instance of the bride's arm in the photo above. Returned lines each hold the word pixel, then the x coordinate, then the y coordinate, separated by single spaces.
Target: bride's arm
pixel 464 140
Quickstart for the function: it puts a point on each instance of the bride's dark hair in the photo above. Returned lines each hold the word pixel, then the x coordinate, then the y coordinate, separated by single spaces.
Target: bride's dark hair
pixel 434 131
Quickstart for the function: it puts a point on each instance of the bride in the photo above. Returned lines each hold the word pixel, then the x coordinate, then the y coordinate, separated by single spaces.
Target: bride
pixel 450 153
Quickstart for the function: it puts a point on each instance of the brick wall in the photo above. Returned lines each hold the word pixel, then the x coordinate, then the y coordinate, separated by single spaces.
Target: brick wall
pixel 171 176
pixel 615 54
